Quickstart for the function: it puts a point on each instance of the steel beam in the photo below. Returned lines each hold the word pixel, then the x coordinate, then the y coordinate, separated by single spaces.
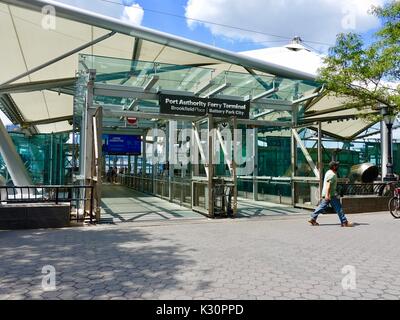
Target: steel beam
pixel 312 96
pixel 265 94
pixel 110 112
pixel 11 109
pixel 133 104
pixel 320 159
pixel 255 163
pixel 227 153
pixel 47 121
pixel 144 160
pixel 384 149
pixel 293 154
pixel 234 174
pixel 124 92
pixel 153 94
pixel 37 85
pixel 150 84
pixel 204 86
pixel 15 166
pixel 306 154
pixel 197 140
pixel 210 182
pixel 137 47
pixel 59 58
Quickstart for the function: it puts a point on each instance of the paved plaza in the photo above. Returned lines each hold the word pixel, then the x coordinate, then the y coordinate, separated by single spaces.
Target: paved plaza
pixel 259 258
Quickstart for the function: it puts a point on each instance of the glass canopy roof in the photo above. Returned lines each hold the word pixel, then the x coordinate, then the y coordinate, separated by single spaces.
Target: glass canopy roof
pixel 205 82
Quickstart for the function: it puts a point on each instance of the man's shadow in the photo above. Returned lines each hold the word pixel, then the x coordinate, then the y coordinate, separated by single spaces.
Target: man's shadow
pixel 355 224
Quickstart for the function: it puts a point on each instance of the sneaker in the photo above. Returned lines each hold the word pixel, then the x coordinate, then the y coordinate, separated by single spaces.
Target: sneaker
pixel 347 225
pixel 314 223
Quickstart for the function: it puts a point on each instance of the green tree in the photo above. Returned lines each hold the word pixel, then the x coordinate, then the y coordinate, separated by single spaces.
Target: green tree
pixel 369 74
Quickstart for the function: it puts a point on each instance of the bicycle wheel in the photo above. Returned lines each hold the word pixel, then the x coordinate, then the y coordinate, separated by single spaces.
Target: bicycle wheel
pixel 394 207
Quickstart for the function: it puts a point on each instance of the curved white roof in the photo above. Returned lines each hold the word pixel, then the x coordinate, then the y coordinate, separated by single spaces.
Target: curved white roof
pixel 37 99
pixel 294 56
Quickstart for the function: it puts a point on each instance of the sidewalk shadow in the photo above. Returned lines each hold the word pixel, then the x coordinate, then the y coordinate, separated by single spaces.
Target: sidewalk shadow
pixel 338 224
pixel 95 261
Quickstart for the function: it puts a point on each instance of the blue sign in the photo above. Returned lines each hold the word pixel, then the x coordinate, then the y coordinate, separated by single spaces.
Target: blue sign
pixel 122 144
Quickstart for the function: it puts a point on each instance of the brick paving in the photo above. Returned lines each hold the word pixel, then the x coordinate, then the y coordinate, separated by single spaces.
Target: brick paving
pixel 260 258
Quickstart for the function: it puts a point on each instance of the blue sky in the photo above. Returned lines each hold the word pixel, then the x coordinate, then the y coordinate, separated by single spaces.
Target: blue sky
pixel 317 21
pixel 165 22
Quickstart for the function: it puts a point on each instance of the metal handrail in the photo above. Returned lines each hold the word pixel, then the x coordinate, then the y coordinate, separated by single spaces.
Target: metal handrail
pixel 76 196
pixel 347 189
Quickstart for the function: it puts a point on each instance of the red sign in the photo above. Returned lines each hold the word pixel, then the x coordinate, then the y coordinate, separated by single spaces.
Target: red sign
pixel 131 121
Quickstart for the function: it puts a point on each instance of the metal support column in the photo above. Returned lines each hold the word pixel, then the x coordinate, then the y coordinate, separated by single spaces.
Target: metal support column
pixel 195 156
pixel 144 161
pixel 87 129
pixel 320 159
pixel 129 165
pixel 255 162
pixel 234 172
pixel 135 172
pixel 293 153
pixel 135 165
pixel 210 164
pixel 97 162
pixel 171 134
pixel 12 159
pixel 384 149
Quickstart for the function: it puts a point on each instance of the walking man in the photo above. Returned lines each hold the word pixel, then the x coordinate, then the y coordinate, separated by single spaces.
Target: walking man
pixel 329 197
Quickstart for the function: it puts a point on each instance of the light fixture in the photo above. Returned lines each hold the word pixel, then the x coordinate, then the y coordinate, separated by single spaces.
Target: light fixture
pixel 389 118
pixel 217 90
pixel 265 93
pixel 150 84
pixel 204 86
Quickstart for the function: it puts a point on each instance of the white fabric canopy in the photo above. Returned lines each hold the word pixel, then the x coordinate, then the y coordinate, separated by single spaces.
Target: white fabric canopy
pixel 25 45
pixel 333 111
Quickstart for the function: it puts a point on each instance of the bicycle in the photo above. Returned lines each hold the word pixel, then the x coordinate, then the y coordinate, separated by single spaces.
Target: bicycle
pixel 394 204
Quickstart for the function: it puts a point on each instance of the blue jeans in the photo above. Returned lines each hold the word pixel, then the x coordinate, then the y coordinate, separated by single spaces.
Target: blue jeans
pixel 337 206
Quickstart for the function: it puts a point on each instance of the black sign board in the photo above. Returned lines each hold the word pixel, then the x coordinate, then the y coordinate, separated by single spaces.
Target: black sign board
pixel 193 106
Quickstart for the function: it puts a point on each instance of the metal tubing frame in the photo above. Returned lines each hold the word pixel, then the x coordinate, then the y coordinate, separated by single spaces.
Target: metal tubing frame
pixel 210 182
pixel 320 159
pixel 235 179
pixel 225 151
pixel 120 91
pixel 217 90
pixel 306 154
pixel 265 94
pixel 97 162
pixel 108 112
pixel 293 151
pixel 16 168
pixel 171 156
pixel 255 162
pixel 144 160
pixel 37 85
pixel 59 58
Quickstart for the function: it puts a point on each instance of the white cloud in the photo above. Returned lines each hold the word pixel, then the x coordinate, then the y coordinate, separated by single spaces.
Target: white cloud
pixel 133 14
pixel 313 20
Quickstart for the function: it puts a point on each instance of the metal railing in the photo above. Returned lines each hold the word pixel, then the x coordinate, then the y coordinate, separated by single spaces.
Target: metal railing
pixel 161 187
pixel 80 198
pixel 363 189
